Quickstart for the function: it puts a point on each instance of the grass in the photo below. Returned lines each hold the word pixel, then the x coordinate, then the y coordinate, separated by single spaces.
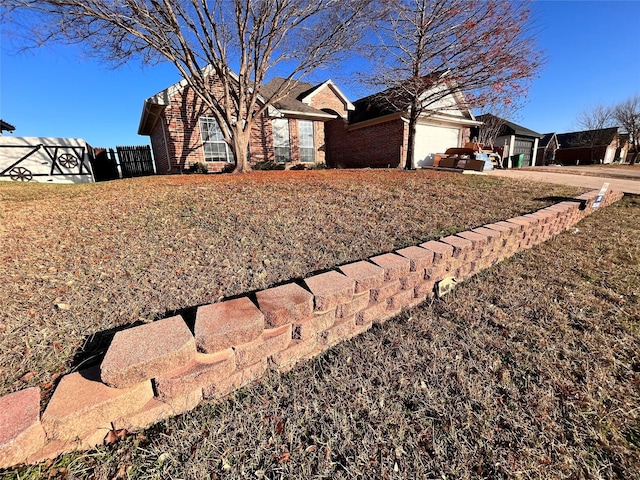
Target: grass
pixel 80 261
pixel 529 370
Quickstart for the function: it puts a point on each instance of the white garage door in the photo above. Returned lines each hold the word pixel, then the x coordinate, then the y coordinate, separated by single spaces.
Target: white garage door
pixel 431 140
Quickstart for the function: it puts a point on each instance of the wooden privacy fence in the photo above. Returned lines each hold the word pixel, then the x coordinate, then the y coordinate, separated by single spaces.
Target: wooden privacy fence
pixel 124 162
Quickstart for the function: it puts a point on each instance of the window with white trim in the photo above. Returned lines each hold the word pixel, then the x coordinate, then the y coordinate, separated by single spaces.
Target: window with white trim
pixel 281 145
pixel 213 144
pixel 307 149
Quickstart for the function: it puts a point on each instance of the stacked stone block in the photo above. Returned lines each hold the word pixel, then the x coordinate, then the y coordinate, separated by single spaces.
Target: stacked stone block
pixel 153 371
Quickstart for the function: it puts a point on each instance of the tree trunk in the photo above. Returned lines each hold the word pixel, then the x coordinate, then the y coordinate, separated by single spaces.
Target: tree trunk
pixel 411 142
pixel 240 148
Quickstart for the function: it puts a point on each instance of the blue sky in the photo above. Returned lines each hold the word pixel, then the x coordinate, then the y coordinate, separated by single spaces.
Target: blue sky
pixel 55 91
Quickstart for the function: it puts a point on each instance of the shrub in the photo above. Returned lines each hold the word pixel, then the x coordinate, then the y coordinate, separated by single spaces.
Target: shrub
pixel 268 165
pixel 298 166
pixel 228 168
pixel 198 167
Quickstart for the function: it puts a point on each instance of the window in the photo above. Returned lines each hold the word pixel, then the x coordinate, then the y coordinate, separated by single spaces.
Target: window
pixel 307 150
pixel 213 144
pixel 281 145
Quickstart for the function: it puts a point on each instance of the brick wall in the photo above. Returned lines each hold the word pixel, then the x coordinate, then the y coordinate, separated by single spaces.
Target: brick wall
pixel 580 156
pixel 177 142
pixel 379 145
pixel 261 143
pixel 326 99
pixel 158 146
pixel 180 120
pixel 319 142
pixel 157 370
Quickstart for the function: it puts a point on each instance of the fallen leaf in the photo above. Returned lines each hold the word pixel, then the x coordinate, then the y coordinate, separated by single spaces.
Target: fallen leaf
pixel 110 438
pixel 279 426
pixel 28 376
pixel 114 435
pixel 285 457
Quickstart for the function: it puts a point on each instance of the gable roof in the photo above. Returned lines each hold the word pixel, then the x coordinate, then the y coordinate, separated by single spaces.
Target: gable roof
pixel 298 99
pixel 295 103
pixel 6 127
pixel 587 138
pixel 546 138
pixel 509 128
pixel 154 106
pixel 307 96
pixel 397 100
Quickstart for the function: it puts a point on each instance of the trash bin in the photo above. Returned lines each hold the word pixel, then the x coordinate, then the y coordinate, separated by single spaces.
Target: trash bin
pixel 516 160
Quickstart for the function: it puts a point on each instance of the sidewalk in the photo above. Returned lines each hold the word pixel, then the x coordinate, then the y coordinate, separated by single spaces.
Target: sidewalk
pixel 627 185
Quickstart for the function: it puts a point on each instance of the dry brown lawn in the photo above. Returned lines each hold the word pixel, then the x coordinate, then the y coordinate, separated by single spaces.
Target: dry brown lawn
pixel 528 370
pixel 79 261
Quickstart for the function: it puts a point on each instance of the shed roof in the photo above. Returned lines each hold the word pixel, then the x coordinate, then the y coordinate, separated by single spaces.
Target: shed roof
pixel 6 127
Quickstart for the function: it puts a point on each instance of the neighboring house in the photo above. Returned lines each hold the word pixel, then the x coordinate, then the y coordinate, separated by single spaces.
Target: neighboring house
pixel 547 147
pixel 377 131
pixel 514 139
pixel 291 132
pixel 604 145
pixel 6 127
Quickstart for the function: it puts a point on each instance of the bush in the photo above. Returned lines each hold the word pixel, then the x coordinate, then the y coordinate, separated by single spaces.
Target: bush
pixel 298 166
pixel 229 168
pixel 309 166
pixel 198 167
pixel 268 165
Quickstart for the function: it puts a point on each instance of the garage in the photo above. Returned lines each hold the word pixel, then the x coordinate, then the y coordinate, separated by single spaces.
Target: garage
pixel 432 139
pixel 519 144
pixel 523 147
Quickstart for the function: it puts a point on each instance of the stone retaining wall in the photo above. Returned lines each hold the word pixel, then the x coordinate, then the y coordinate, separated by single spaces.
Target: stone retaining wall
pixel 157 370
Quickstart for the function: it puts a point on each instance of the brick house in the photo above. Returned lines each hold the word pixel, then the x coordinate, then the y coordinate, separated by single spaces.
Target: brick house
pixel 604 145
pixel 291 132
pixel 376 133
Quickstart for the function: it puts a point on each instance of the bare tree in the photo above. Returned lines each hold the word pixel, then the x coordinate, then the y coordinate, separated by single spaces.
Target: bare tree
pixel 429 49
pixel 493 119
pixel 237 43
pixel 627 115
pixel 594 121
pixel 596 118
pixel 489 130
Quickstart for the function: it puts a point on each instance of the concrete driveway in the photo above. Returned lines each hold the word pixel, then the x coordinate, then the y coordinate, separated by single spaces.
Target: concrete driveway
pixel 627 180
